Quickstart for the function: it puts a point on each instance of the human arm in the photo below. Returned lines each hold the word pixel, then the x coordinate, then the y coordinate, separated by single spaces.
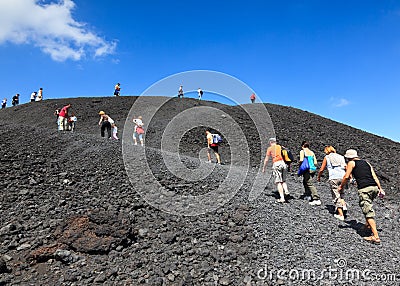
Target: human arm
pixel 301 156
pixel 378 183
pixel 321 170
pixel 265 163
pixel 101 119
pixel 346 177
pixel 267 154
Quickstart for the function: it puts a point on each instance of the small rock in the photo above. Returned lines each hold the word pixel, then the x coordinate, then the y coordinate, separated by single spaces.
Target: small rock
pixel 23 246
pixel 171 277
pixel 143 231
pixel 224 281
pixel 7 258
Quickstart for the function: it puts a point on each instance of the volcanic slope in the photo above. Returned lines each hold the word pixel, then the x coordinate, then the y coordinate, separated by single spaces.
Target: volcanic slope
pixel 71 216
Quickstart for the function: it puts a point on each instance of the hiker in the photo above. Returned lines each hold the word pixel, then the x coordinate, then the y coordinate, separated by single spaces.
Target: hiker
pixel 336 166
pixel 114 131
pixel 212 144
pixel 63 118
pixel 200 93
pixel 279 168
pixel 253 98
pixel 33 96
pixel 105 122
pixel 57 114
pixel 4 103
pixel 138 130
pixel 180 92
pixel 72 122
pixel 39 96
pixel 15 100
pixel 368 188
pixel 117 89
pixel 311 193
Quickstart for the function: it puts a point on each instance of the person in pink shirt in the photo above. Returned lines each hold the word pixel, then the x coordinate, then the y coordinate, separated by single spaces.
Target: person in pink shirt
pixel 253 98
pixel 63 118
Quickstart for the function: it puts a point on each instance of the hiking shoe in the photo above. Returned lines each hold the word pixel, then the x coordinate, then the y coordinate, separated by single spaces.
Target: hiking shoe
pixel 208 162
pixel 307 198
pixel 373 239
pixel 315 203
pixel 339 217
pixel 280 201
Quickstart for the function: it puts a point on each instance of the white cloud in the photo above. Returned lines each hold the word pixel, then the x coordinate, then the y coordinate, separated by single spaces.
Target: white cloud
pixel 51 28
pixel 341 102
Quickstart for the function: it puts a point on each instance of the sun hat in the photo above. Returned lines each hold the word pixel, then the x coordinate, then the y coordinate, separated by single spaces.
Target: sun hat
pixel 351 153
pixel 102 113
pixel 272 140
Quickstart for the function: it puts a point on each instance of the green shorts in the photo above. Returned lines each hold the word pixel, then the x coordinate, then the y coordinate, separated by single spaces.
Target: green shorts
pixel 366 196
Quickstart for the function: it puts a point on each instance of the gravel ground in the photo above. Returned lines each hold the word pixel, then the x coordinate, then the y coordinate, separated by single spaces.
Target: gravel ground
pixel 72 215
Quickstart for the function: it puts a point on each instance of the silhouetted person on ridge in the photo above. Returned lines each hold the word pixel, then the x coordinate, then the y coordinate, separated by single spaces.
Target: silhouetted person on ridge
pixel 15 100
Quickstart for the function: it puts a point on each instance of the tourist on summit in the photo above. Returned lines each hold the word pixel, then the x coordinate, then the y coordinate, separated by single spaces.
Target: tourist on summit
pixel 180 92
pixel 279 168
pixel 368 186
pixel 336 166
pixel 212 144
pixel 138 130
pixel 114 131
pixel 253 98
pixel 311 193
pixel 63 118
pixel 15 100
pixel 39 96
pixel 117 89
pixel 200 93
pixel 4 103
pixel 72 122
pixel 33 96
pixel 105 124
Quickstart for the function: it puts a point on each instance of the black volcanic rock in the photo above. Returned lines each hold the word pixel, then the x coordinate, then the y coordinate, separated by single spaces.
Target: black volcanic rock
pixel 71 216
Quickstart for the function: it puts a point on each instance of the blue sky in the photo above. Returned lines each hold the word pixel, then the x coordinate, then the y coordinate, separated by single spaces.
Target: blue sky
pixel 339 59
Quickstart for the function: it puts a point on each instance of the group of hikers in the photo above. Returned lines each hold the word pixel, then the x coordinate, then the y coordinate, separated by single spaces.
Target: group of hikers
pixel 65 120
pixel 200 94
pixel 35 96
pixel 108 124
pixel 341 170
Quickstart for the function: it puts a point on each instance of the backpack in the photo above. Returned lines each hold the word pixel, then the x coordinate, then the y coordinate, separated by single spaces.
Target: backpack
pixel 216 138
pixel 287 155
pixel 311 163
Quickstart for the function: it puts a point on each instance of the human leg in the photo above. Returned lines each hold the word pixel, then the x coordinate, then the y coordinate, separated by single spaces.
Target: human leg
pixel 281 192
pixel 306 178
pixel 337 196
pixel 312 188
pixel 141 139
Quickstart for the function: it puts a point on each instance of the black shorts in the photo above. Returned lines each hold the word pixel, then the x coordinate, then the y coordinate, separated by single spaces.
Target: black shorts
pixel 214 148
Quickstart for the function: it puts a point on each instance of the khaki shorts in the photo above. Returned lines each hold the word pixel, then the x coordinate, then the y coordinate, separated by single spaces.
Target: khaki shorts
pixel 337 197
pixel 279 170
pixel 366 196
